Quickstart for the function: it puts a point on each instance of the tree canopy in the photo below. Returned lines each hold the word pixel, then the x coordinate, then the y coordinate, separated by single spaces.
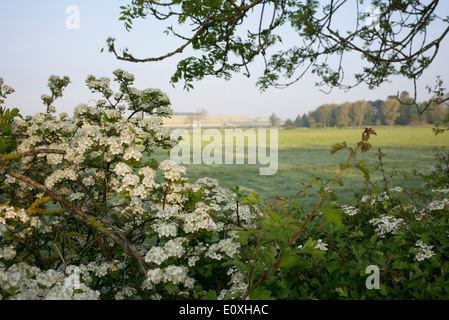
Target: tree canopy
pixel 392 37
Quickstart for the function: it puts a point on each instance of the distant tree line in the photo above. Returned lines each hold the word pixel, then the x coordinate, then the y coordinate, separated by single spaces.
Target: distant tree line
pixel 390 112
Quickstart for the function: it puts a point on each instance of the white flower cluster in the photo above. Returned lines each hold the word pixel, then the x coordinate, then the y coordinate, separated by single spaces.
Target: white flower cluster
pixel 59 175
pixel 31 283
pixel 8 212
pixel 102 83
pixel 122 169
pixel 70 292
pixel 54 83
pixel 172 248
pixel 173 274
pixel 418 214
pixel 171 170
pixel 226 246
pixel 199 219
pixel 165 110
pixel 386 224
pixel 350 210
pixel 245 214
pixel 124 74
pixel 165 229
pixel 139 185
pixel 132 153
pixel 7 253
pixel 126 293
pixel 196 253
pixel 438 204
pixel 383 196
pixel 238 285
pixel 425 252
pixel 320 245
pixel 27 222
pixel 367 198
pixel 5 89
pixel 441 190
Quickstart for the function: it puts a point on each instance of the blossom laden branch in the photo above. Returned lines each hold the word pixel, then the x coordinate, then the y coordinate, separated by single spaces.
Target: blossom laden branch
pixel 87 218
pixel 34 152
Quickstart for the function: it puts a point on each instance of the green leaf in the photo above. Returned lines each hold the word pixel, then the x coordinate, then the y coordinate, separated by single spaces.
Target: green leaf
pixel 3 145
pixel 361 165
pixel 334 216
pixel 275 217
pixel 243 236
pixel 210 295
pixel 267 255
pixel 318 253
pixel 342 291
pixel 291 227
pixel 259 294
pixel 171 288
pixel 331 267
pixel 287 259
pixel 340 182
pixel 344 165
pixel 337 147
pixel 309 246
pixel 251 200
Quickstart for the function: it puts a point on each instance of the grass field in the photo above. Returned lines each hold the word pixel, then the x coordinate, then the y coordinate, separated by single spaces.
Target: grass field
pixel 305 153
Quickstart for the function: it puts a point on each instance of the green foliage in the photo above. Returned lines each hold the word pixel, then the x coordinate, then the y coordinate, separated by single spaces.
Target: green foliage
pixel 334 216
pixel 7 141
pixel 228 42
pixel 56 85
pixel 300 254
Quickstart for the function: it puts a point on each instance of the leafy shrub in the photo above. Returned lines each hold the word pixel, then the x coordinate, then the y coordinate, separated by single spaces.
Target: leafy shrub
pixel 330 252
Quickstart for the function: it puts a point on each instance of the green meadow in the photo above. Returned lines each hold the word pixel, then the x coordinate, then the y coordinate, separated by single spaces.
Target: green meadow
pixel 304 154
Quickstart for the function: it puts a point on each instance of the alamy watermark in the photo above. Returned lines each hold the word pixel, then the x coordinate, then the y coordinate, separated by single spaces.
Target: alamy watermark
pixel 72 22
pixel 373 280
pixel 227 147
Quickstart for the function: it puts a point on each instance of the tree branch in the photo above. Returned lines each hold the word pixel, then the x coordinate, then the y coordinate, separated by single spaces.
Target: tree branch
pixel 121 240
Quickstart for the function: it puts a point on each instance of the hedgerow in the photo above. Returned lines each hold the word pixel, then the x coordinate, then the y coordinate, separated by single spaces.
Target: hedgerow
pixel 87 213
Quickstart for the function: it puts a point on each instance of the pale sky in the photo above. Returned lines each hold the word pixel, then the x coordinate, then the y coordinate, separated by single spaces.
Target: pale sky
pixel 35 43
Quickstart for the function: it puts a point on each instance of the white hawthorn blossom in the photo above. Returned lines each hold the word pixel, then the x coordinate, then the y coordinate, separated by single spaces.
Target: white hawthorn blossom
pixel 350 210
pixel 425 252
pixel 320 245
pixel 386 224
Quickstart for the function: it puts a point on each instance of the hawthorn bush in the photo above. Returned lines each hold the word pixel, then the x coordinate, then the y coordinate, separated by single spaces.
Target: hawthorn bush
pixel 87 213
